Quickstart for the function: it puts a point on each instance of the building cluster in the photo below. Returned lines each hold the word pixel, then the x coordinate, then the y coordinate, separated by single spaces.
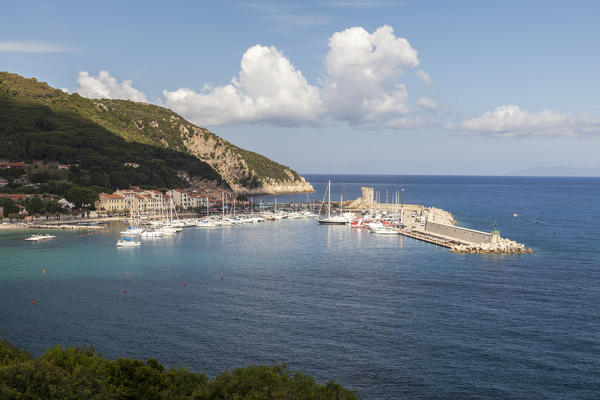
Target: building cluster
pixel 155 201
pixel 9 165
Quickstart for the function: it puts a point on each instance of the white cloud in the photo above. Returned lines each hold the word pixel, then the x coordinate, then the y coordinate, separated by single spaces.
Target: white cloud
pixel 361 86
pixel 269 89
pixel 362 72
pixel 32 47
pixel 424 76
pixel 107 87
pixel 428 104
pixel 511 121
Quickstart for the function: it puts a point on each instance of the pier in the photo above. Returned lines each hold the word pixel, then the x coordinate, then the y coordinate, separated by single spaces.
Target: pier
pixel 436 226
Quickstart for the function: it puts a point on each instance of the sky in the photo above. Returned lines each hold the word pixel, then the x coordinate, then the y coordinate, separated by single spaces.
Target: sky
pixel 340 86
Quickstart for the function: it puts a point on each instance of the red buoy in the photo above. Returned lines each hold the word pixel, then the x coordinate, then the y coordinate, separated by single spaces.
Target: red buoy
pixel 184 284
pixel 124 290
pixel 127 273
pixel 32 302
pixel 43 271
pixel 221 277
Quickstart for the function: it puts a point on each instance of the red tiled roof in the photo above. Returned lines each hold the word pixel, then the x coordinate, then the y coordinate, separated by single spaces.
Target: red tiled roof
pixel 16 196
pixel 110 196
pixel 19 164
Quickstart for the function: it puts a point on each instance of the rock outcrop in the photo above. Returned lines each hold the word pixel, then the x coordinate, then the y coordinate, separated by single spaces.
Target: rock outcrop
pixel 229 161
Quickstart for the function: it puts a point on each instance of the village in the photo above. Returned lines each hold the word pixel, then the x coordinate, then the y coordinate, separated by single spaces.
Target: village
pixel 27 195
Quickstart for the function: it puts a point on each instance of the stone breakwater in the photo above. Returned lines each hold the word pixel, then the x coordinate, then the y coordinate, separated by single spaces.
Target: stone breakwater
pixel 438 215
pixel 502 246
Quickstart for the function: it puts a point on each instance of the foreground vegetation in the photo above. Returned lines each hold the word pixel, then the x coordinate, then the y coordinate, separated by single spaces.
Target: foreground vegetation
pixel 82 373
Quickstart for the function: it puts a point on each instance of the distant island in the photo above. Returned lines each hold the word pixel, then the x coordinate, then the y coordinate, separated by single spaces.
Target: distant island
pixel 557 171
pixel 108 144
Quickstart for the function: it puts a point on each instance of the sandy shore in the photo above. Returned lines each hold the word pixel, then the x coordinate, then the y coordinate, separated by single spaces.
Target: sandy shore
pixel 7 227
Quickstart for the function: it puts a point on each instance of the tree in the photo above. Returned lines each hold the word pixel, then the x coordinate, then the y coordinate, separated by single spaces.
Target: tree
pixel 9 206
pixel 34 205
pixel 67 373
pixel 81 196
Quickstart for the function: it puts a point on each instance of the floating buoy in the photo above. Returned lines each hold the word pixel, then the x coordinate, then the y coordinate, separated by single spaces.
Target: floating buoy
pixel 127 273
pixel 184 284
pixel 124 290
pixel 43 271
pixel 32 302
pixel 221 277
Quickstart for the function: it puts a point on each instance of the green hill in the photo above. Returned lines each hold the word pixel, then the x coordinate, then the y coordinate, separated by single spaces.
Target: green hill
pixel 38 122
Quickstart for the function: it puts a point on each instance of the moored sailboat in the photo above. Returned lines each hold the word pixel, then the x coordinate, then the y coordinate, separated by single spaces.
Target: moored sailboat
pixel 331 220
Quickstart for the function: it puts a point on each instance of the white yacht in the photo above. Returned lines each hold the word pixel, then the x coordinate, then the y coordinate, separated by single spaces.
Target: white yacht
pixel 331 220
pixel 39 238
pixel 152 233
pixel 127 242
pixel 386 231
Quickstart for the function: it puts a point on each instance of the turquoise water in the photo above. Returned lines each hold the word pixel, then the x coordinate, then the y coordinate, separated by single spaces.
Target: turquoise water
pixel 388 317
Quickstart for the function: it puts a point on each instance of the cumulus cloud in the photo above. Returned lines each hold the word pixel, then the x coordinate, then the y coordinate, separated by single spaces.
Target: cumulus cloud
pixel 362 72
pixel 105 86
pixel 269 89
pixel 360 86
pixel 424 76
pixel 511 121
pixel 32 47
pixel 428 104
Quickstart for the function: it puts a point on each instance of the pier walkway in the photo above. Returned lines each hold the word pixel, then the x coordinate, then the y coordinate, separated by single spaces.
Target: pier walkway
pixel 431 238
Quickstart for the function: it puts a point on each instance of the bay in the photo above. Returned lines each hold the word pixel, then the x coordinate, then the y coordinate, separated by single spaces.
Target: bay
pixel 388 317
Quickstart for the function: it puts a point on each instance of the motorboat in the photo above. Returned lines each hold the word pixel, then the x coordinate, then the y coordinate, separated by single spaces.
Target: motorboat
pixel 39 238
pixel 385 231
pixel 152 233
pixel 132 231
pixel 127 242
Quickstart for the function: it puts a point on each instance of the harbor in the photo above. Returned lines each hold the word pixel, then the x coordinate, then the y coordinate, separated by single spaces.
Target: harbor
pixel 428 224
pixel 416 221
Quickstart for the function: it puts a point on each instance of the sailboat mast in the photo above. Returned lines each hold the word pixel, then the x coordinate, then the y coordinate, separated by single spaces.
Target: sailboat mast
pixel 329 199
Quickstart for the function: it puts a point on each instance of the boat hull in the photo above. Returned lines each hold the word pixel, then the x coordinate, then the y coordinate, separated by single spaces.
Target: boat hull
pixel 332 222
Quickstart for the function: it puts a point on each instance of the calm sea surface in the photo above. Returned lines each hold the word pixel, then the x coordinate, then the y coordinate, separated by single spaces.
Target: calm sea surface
pixel 389 317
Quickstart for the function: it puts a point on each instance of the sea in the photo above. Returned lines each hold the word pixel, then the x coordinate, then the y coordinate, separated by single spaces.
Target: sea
pixel 389 317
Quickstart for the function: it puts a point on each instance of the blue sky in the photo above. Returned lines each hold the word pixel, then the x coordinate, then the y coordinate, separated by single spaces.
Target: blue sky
pixel 341 86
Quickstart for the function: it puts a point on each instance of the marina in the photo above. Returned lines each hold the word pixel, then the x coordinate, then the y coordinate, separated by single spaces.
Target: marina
pixel 429 224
